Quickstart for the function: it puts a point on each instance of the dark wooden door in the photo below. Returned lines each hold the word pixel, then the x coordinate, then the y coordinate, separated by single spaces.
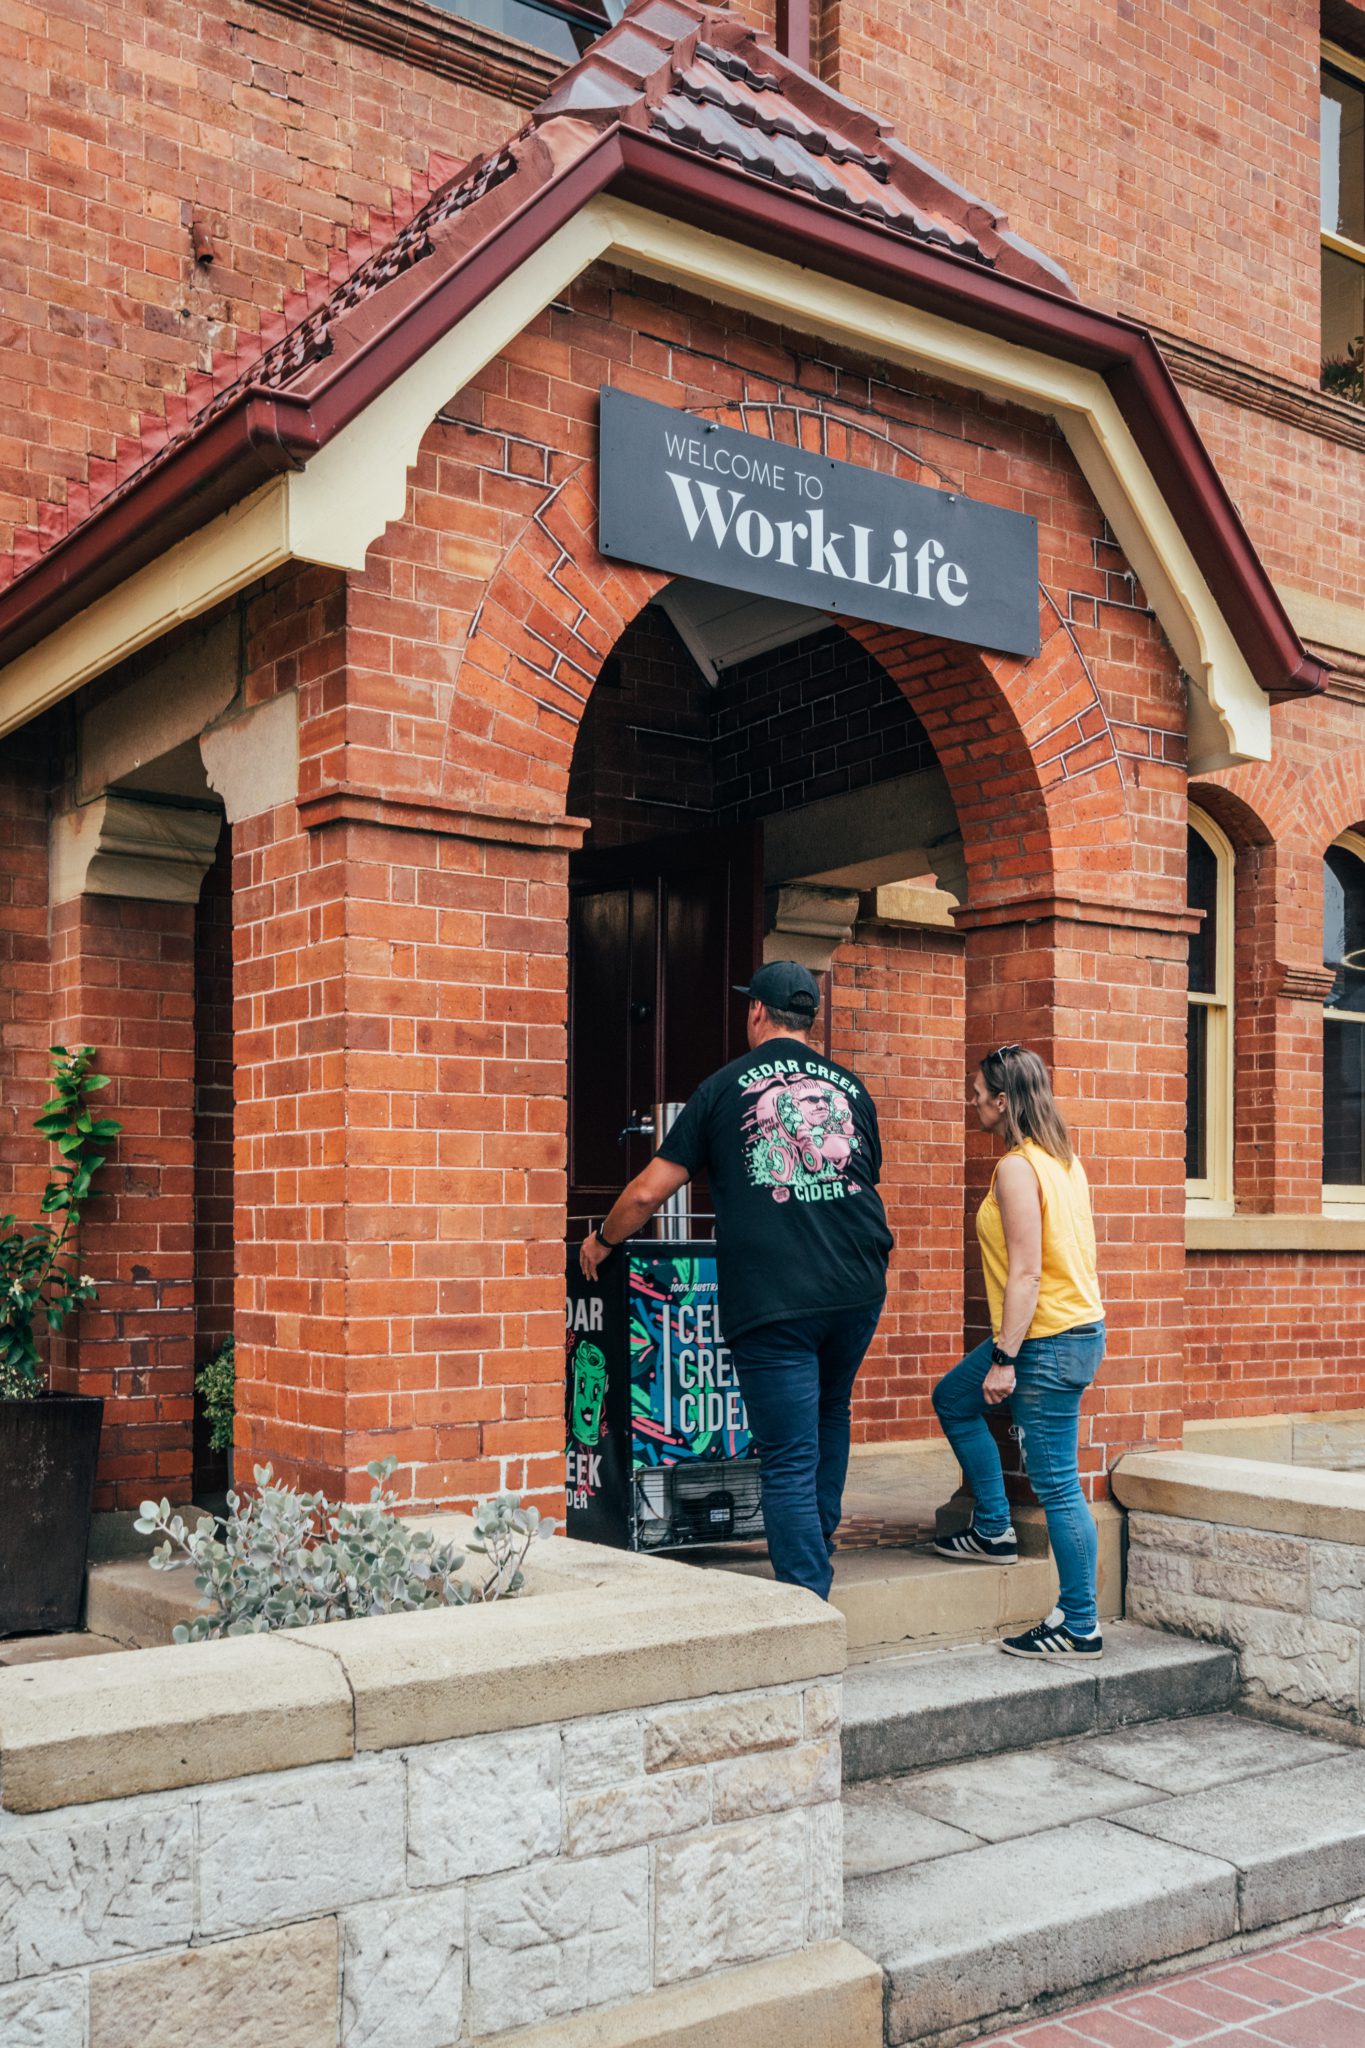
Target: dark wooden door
pixel 657 934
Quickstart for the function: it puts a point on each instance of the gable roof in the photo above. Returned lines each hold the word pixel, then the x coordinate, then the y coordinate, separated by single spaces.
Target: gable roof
pixel 689 111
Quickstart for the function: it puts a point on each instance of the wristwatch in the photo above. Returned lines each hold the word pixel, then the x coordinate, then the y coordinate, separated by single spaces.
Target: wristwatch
pixel 998 1357
pixel 602 1238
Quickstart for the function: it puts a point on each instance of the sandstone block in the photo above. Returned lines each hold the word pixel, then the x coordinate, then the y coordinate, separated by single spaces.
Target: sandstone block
pixel 604 1749
pixel 622 1815
pixel 486 1803
pixel 1250 1586
pixel 1302 1661
pixel 1337 1573
pixel 1171 1571
pixel 822 1711
pixel 300 1844
pixel 731 1896
pixel 721 1728
pixel 402 1972
pixel 1191 1614
pixel 46 2013
pixel 557 1938
pixel 115 1726
pixel 772 1782
pixel 77 1889
pixel 825 1909
pixel 1258 1547
pixel 276 1990
pixel 1166 1532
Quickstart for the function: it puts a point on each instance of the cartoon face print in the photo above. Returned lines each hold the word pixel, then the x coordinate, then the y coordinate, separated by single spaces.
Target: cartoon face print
pixel 589 1390
pixel 797 1131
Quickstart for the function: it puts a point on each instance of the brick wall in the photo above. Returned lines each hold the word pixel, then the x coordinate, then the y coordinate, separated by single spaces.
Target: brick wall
pixel 1274 1332
pixel 25 1002
pixel 213 1260
pixel 127 132
pixel 1166 155
pixel 122 981
pixel 897 1018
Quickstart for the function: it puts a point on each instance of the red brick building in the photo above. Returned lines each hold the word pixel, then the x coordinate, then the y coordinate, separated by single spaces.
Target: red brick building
pixel 353 794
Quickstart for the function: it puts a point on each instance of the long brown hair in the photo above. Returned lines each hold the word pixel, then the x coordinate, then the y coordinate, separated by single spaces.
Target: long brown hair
pixel 1031 1111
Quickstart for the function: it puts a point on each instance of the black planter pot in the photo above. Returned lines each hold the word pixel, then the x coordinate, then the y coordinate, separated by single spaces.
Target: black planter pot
pixel 48 1450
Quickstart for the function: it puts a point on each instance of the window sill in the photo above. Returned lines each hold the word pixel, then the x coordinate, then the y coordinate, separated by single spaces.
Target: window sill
pixel 1339 1233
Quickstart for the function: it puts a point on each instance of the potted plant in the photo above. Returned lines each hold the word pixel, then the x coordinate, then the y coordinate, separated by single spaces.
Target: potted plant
pixel 49 1442
pixel 216 1386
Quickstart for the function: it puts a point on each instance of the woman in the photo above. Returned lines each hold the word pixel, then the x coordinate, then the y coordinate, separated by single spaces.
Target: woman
pixel 1037 1239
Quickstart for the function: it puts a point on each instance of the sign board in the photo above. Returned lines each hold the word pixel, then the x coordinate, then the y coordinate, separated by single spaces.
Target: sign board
pixel 705 501
pixel 651 1392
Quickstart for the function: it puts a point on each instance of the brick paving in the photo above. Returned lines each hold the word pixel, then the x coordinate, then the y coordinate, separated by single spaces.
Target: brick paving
pixel 1308 1993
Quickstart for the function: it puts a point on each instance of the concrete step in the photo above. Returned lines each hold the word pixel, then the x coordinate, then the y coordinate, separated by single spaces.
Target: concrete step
pixel 892 1593
pixel 992 1891
pixel 136 1607
pixel 903 1713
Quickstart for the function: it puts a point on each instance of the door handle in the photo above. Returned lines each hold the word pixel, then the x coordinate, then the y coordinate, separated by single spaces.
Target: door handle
pixel 642 1126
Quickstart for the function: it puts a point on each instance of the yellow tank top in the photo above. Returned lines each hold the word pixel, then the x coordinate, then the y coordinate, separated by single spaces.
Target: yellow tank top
pixel 1070 1290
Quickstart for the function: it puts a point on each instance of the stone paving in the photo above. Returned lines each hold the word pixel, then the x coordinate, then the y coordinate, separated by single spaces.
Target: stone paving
pixel 1308 1993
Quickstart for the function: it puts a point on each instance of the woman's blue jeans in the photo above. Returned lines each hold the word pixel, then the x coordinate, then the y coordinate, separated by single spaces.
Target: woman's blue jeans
pixel 1051 1375
pixel 797 1381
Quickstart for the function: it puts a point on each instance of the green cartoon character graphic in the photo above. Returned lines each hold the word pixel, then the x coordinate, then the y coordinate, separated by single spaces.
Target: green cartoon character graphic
pixel 589 1392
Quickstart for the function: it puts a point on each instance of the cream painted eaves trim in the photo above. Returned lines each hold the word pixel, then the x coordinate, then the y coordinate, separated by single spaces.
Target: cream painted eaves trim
pixel 337 507
pixel 1079 399
pixel 231 551
pixel 332 512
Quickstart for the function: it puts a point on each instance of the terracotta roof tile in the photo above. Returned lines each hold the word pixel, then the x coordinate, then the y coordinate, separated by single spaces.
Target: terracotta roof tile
pixel 697 76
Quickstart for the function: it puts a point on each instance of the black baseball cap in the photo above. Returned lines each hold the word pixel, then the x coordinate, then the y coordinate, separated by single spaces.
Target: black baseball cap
pixel 782 985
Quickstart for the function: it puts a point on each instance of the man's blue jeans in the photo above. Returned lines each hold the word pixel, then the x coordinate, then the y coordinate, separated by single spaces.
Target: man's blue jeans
pixel 797 1381
pixel 1051 1375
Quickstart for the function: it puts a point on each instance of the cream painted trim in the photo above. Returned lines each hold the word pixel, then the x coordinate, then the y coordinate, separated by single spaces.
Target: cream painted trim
pixel 231 551
pixel 1342 60
pixel 333 510
pixel 1342 245
pixel 318 514
pixel 333 521
pixel 1079 399
pixel 1212 1195
pixel 1325 1233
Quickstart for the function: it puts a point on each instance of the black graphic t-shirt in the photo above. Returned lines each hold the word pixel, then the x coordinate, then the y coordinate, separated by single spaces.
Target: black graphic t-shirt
pixel 790 1144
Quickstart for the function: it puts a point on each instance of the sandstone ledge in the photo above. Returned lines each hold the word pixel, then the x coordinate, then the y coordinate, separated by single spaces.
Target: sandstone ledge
pixel 598 1632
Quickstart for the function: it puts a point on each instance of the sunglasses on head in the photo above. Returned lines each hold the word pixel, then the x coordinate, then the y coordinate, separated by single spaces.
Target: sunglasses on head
pixel 1002 1052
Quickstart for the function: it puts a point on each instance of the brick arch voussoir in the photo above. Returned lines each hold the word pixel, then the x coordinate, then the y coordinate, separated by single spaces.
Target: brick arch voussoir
pixel 1255 804
pixel 1328 802
pixel 1028 756
pixel 552 612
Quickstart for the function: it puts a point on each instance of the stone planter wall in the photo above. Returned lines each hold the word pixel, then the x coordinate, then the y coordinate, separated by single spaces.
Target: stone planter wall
pixel 391 1876
pixel 1267 1558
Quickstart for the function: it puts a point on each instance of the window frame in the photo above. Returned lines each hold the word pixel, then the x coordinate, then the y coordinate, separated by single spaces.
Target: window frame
pixel 1334 58
pixel 1339 1200
pixel 1213 1193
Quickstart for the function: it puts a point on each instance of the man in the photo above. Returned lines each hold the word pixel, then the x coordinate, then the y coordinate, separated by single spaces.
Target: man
pixel 789 1143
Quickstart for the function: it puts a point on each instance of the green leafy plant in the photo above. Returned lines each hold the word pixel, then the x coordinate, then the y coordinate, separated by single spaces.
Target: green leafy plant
pixel 286 1559
pixel 1344 376
pixel 38 1271
pixel 216 1386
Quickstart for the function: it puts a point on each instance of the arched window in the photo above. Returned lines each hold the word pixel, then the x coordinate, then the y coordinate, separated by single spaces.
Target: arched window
pixel 1208 1104
pixel 1343 1029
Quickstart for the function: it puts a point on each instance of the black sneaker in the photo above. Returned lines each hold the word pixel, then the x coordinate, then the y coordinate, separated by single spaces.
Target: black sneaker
pixel 977 1549
pixel 1052 1638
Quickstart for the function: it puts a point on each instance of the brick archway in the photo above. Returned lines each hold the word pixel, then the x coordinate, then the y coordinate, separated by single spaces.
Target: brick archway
pixel 1026 746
